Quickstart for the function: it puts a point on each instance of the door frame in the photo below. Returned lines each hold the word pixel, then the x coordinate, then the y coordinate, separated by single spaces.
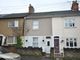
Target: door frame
pixel 56 46
pixel 48 45
pixel 1 37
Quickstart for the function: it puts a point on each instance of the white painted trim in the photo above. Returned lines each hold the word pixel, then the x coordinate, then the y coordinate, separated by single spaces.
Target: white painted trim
pixel 14 40
pixel 3 38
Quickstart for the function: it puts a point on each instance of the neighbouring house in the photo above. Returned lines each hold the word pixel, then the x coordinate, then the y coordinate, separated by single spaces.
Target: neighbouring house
pixel 11 25
pixel 58 30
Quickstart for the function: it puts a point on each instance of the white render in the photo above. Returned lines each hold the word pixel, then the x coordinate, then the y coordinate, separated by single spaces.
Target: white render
pixel 52 25
pixel 3 39
pixel 41 44
pixel 58 29
pixel 44 30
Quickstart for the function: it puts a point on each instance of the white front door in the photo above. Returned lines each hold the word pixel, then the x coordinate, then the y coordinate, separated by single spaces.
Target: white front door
pixel 48 44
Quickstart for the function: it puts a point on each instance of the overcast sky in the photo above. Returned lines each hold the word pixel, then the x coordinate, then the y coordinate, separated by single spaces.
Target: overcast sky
pixel 21 6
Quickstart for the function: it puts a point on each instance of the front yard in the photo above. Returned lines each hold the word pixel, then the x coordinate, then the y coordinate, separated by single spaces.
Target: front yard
pixel 36 53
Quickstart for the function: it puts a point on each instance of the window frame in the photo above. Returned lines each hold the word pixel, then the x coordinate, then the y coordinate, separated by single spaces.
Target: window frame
pixel 67 42
pixel 35 24
pixel 14 23
pixel 69 23
pixel 35 41
pixel 70 42
pixel 13 40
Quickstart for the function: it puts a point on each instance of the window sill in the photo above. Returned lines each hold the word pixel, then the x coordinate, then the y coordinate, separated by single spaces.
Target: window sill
pixel 35 29
pixel 10 43
pixel 70 27
pixel 71 47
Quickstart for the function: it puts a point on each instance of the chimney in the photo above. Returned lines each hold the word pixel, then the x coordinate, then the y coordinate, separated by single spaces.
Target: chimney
pixel 31 9
pixel 75 6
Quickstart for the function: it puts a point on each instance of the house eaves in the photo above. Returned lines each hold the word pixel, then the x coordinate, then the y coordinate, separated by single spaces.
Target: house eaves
pixel 53 14
pixel 41 14
pixel 17 15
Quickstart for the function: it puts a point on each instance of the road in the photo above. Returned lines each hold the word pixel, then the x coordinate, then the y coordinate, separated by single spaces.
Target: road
pixel 34 58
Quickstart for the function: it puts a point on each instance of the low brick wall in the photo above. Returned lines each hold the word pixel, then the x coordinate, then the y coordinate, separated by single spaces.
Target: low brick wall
pixel 52 52
pixel 25 51
pixel 71 54
pixel 30 51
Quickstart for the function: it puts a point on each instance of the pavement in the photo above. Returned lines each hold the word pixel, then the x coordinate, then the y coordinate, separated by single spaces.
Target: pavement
pixel 35 58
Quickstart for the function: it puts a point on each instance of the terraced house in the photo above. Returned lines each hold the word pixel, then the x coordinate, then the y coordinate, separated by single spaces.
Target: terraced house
pixel 46 30
pixel 11 25
pixel 58 29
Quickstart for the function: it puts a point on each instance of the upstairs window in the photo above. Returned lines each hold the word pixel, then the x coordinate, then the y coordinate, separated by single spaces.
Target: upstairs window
pixel 35 25
pixel 14 23
pixel 69 23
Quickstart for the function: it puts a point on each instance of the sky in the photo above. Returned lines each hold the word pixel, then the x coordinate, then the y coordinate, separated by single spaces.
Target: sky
pixel 21 6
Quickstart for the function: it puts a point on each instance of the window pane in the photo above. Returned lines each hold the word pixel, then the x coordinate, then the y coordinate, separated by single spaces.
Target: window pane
pixel 11 40
pixel 13 23
pixel 70 38
pixel 71 43
pixel 67 43
pixel 70 22
pixel 66 24
pixel 35 41
pixel 66 39
pixel 73 24
pixel 35 24
pixel 75 43
pixel 74 39
pixel 16 23
pixel 48 43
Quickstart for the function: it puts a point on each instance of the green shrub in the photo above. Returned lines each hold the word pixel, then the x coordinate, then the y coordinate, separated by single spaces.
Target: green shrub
pixel 19 42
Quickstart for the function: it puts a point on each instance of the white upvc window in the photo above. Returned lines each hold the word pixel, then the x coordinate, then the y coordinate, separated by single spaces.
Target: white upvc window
pixel 35 41
pixel 11 40
pixel 69 23
pixel 71 42
pixel 35 24
pixel 14 23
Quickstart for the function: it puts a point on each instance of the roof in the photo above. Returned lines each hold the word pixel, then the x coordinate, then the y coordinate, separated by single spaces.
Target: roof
pixel 16 15
pixel 41 14
pixel 54 14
